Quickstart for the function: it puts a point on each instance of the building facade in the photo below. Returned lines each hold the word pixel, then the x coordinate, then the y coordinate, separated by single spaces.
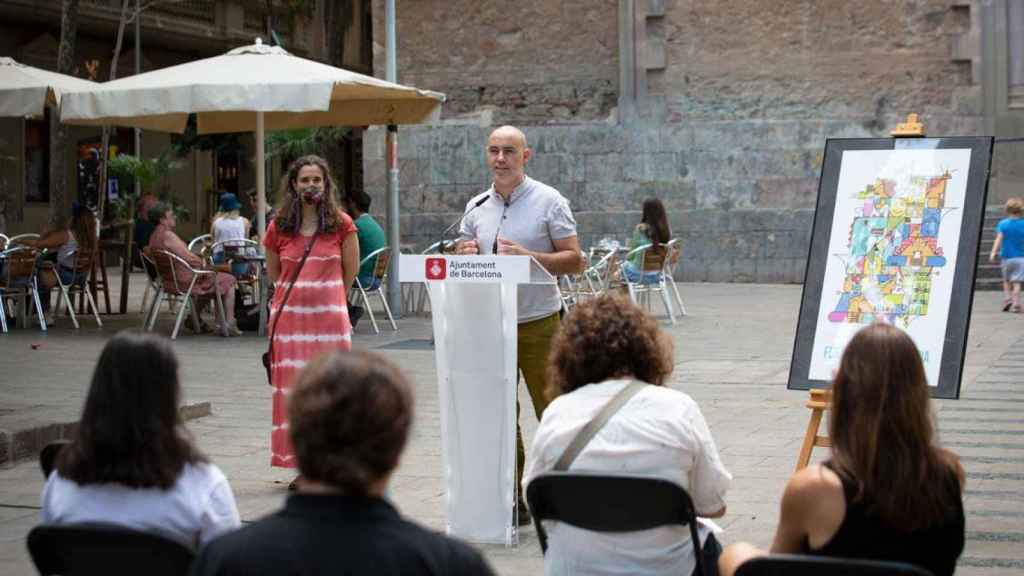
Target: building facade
pixel 720 109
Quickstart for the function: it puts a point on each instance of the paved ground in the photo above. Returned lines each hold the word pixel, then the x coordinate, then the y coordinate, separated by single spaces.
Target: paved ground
pixel 732 356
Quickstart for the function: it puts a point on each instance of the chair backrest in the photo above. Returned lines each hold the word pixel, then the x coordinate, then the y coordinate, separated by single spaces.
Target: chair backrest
pixel 383 256
pixel 199 244
pixel 167 267
pixel 654 258
pixel 604 502
pixel 149 265
pixel 89 549
pixel 48 456
pixel 29 235
pixel 21 264
pixel 804 565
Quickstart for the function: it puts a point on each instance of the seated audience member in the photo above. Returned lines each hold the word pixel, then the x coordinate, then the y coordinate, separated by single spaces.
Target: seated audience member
pixel 164 238
pixel 131 462
pixel 349 419
pixel 78 231
pixel 653 229
pixel 602 346
pixel 229 225
pixel 371 238
pixel 888 492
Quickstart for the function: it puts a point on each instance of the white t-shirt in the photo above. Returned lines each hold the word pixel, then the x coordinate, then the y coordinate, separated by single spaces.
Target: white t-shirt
pixel 199 507
pixel 660 432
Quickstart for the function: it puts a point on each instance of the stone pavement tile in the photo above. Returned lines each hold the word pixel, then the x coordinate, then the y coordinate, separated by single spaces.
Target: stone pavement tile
pixel 739 383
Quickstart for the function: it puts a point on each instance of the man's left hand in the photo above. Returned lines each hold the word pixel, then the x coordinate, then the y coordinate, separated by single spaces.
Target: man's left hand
pixel 511 248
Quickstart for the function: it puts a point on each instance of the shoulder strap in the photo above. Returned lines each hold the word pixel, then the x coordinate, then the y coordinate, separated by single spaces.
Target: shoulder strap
pixel 291 284
pixel 596 423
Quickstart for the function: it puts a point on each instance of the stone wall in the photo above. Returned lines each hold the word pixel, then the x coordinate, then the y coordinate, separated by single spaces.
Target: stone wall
pixel 531 62
pixel 730 136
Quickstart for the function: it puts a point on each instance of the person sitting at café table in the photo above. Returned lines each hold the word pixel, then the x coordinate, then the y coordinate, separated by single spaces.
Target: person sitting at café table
pixel 164 238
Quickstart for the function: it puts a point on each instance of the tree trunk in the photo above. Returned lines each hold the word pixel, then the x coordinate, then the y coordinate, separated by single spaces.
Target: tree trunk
pixel 105 147
pixel 60 194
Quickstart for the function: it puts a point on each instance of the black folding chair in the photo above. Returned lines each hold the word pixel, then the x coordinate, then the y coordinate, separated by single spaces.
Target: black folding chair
pixel 91 549
pixel 611 503
pixel 48 456
pixel 805 565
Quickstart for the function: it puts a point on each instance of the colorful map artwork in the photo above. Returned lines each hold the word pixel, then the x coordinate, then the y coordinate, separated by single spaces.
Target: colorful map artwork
pixel 894 251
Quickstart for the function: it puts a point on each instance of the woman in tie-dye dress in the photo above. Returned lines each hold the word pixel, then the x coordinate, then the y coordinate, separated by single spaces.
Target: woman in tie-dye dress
pixel 315 317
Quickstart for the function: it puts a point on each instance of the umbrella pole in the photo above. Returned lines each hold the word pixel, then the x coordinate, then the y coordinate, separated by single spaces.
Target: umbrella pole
pixel 261 180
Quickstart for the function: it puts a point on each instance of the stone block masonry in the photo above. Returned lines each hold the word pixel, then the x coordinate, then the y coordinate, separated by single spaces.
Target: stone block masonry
pixel 741 194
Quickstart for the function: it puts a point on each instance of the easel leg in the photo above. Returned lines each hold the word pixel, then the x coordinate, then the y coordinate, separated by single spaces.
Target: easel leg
pixel 809 438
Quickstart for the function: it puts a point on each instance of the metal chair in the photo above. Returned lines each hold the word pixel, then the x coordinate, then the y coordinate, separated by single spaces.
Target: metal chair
pixel 806 565
pixel 13 240
pixel 675 254
pixel 199 244
pixel 21 281
pixel 610 503
pixel 652 263
pixel 240 248
pixel 89 549
pixel 167 265
pixel 380 275
pixel 83 266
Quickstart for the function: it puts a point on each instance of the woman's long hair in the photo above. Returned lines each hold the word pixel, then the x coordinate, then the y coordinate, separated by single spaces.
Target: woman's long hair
pixel 83 226
pixel 883 434
pixel 289 214
pixel 657 222
pixel 130 432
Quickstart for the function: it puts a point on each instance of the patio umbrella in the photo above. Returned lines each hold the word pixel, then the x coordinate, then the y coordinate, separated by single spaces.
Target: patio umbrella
pixel 26 91
pixel 252 88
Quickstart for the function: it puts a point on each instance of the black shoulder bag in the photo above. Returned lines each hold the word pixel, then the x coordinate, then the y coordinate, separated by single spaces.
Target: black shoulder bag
pixel 273 330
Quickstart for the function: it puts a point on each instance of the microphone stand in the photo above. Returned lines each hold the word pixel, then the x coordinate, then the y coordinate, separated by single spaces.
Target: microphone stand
pixel 440 244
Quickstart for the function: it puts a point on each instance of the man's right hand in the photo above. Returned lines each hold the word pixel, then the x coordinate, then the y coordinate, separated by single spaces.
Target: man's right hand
pixel 463 247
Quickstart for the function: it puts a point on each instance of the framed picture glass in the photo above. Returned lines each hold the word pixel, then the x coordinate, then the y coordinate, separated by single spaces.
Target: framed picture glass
pixel 895 240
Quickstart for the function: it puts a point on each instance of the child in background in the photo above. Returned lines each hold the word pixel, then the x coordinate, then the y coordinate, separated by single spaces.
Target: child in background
pixel 1010 246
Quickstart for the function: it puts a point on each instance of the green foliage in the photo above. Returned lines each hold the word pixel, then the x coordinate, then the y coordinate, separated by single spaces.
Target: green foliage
pixel 149 171
pixel 303 141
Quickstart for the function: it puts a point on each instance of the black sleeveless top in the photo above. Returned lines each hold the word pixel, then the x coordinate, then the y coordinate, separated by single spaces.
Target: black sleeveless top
pixel 935 548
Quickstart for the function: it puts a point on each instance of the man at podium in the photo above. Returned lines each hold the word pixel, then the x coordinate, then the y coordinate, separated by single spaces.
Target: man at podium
pixel 521 216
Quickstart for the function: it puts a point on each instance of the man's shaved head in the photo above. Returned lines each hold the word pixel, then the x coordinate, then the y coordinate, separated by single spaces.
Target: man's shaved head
pixel 510 131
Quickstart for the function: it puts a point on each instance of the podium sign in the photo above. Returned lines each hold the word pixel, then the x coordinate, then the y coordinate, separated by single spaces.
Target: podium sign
pixel 476 269
pixel 473 304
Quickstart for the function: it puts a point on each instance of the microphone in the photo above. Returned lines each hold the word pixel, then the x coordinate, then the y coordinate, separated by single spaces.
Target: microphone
pixel 479 203
pixel 494 248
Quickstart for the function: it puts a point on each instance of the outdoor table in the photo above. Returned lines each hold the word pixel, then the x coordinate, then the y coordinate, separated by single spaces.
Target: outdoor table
pixel 261 266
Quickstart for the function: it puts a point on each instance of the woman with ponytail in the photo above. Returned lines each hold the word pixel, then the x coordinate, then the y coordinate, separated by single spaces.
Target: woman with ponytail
pixel 312 255
pixel 889 491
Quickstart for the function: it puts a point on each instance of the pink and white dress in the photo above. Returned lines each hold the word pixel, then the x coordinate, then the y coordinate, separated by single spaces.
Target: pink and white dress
pixel 314 320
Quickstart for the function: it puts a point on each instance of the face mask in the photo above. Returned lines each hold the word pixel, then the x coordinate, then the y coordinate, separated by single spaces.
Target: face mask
pixel 312 194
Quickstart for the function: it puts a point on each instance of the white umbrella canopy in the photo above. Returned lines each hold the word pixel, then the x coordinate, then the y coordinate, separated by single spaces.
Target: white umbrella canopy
pixel 26 91
pixel 250 89
pixel 225 92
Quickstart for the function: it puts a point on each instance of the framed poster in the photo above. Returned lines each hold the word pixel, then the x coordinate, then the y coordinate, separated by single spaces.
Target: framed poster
pixel 895 240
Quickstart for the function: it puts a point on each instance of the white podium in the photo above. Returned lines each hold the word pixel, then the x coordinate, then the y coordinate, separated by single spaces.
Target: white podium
pixel 473 304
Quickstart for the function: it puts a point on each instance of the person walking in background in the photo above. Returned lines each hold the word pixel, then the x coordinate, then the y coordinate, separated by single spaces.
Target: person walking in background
pixel 605 345
pixel 312 257
pixel 350 416
pixel 653 229
pixel 1009 245
pixel 889 492
pixel 229 225
pixel 518 215
pixel 371 238
pixel 130 461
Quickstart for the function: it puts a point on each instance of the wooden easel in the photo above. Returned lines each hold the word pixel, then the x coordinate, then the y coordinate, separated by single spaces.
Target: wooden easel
pixel 819 401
